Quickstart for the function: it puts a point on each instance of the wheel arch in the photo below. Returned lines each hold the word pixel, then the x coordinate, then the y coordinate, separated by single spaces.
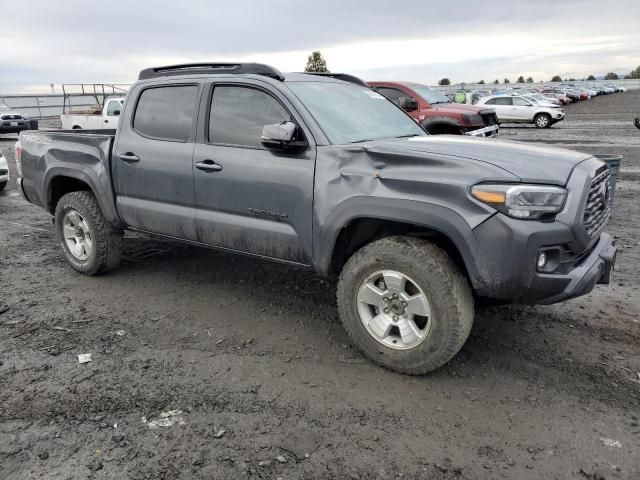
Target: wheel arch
pixel 349 231
pixel 60 181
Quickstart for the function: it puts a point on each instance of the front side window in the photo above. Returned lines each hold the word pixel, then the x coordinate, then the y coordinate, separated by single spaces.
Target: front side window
pixel 520 102
pixel 394 94
pixel 350 113
pixel 238 115
pixel 166 112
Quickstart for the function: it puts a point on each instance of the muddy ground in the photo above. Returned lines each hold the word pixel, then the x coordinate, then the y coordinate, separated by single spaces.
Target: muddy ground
pixel 266 383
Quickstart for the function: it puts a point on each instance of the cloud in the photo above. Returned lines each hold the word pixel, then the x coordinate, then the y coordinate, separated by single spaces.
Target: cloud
pixel 75 41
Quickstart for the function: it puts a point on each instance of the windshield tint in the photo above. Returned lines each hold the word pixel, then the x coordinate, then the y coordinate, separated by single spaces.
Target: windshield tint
pixel 350 113
pixel 429 94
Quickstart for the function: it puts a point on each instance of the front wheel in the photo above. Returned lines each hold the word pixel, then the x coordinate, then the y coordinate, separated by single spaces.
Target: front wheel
pixel 90 244
pixel 542 120
pixel 405 304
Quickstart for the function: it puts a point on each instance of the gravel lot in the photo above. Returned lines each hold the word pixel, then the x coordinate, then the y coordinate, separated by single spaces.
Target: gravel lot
pixel 266 385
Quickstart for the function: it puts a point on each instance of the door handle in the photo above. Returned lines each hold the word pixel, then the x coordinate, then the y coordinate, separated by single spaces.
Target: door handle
pixel 129 157
pixel 106 121
pixel 208 166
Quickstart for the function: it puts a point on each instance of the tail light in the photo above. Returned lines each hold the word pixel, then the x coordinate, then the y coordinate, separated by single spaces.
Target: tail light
pixel 19 158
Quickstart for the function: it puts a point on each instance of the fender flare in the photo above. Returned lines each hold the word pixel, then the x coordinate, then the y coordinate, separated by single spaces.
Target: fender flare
pixel 86 175
pixel 427 215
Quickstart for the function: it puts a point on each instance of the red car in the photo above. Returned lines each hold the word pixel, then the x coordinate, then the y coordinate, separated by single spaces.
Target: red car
pixel 436 113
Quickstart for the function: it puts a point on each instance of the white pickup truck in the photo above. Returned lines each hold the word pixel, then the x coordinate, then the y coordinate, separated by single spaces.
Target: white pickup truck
pixel 106 119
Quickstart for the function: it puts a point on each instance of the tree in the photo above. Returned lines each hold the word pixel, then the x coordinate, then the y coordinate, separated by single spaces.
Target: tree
pixel 520 79
pixel 529 79
pixel 315 63
pixel 635 73
pixel 444 81
pixel 496 81
pixel 611 76
pixel 506 80
pixel 590 78
pixel 481 82
pixel 556 78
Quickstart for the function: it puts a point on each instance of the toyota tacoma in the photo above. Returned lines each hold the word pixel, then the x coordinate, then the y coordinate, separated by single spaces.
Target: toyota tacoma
pixel 321 173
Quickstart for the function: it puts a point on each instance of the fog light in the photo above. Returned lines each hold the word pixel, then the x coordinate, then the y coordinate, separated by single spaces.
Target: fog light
pixel 542 260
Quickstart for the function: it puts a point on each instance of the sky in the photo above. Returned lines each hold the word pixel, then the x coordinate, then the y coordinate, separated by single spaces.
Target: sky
pixel 71 41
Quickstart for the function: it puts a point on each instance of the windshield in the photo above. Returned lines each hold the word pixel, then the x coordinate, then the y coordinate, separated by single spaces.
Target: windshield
pixel 429 94
pixel 350 113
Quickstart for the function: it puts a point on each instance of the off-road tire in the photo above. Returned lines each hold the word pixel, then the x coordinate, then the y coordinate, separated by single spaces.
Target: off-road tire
pixel 539 120
pixel 107 240
pixel 445 285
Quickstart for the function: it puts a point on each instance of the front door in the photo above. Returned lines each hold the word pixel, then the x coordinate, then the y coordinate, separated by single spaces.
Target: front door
pixel 152 161
pixel 249 198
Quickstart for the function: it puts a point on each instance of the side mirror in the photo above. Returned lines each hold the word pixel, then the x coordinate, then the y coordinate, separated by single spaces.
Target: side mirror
pixel 282 136
pixel 408 104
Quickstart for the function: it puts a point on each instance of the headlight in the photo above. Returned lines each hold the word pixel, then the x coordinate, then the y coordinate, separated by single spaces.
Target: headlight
pixel 529 202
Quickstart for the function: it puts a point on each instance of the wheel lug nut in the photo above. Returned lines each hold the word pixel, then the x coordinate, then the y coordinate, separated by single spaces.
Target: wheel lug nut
pixel 395 295
pixel 404 304
pixel 395 317
pixel 386 310
pixel 385 299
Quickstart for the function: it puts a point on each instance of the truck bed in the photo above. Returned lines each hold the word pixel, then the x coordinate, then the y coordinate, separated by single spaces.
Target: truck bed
pixel 84 155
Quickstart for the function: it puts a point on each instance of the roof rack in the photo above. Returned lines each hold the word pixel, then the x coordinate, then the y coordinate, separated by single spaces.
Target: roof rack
pixel 341 76
pixel 198 68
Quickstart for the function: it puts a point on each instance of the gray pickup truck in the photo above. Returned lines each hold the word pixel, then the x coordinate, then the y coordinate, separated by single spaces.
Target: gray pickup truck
pixel 330 175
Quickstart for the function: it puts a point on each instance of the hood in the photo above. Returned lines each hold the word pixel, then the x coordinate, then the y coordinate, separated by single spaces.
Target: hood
pixel 532 164
pixel 459 108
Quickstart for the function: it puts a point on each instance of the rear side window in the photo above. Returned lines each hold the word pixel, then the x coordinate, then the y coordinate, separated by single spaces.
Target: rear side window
pixel 238 115
pixel 166 112
pixel 502 101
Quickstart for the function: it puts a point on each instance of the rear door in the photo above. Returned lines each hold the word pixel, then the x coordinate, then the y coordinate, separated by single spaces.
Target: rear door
pixel 249 198
pixel 153 172
pixel 503 108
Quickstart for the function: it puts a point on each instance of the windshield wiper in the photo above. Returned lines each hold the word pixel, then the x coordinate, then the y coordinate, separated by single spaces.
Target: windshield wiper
pixel 363 140
pixel 410 135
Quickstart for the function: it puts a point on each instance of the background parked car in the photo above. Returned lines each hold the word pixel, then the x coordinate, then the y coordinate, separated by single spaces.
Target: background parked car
pixel 518 109
pixel 4 171
pixel 12 121
pixel 435 112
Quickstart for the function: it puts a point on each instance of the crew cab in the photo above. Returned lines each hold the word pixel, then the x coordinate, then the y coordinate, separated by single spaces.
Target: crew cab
pixel 327 175
pixel 520 109
pixel 104 117
pixel 436 113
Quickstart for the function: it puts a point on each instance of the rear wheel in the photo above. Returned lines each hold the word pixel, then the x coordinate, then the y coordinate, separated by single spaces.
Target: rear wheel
pixel 90 244
pixel 405 304
pixel 542 120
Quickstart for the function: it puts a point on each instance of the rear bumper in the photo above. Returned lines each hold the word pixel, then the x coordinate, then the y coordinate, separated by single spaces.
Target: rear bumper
pixel 5 126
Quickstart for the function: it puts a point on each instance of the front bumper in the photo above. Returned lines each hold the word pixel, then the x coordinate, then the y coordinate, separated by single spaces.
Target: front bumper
pixel 508 254
pixel 490 131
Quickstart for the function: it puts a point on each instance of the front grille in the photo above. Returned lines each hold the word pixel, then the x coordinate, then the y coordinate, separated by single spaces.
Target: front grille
pixel 3 173
pixel 11 117
pixel 598 207
pixel 489 118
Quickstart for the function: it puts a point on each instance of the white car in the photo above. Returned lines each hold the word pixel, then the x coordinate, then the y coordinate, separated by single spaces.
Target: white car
pixel 4 171
pixel 519 109
pixel 106 119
